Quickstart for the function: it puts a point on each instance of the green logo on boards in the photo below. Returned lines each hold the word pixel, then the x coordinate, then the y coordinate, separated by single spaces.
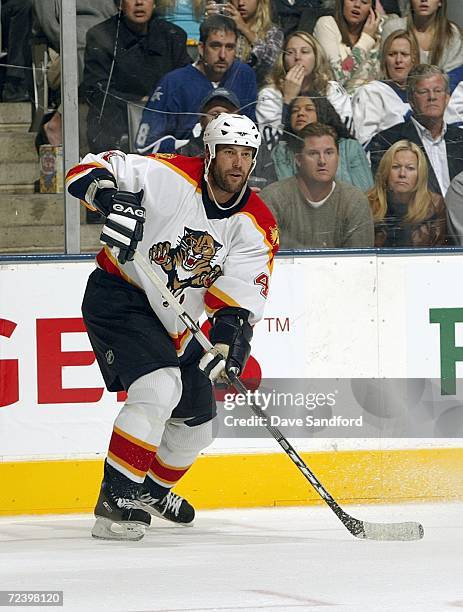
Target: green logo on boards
pixel 450 354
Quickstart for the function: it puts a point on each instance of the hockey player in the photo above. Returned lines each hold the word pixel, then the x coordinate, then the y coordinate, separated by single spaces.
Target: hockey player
pixel 212 240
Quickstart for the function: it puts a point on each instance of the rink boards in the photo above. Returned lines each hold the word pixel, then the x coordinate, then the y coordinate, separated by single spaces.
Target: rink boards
pixel 343 317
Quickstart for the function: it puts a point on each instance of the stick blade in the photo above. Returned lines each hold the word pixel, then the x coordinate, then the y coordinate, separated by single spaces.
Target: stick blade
pixel 402 532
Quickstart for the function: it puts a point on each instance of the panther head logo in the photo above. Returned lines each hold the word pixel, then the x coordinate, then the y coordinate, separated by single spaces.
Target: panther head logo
pixel 197 248
pixel 189 264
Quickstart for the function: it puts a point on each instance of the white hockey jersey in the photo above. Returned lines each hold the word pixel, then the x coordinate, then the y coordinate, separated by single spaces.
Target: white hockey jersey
pixel 377 107
pixel 209 259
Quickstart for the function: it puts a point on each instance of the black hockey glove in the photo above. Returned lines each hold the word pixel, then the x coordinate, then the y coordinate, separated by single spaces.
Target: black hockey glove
pixel 231 335
pixel 124 222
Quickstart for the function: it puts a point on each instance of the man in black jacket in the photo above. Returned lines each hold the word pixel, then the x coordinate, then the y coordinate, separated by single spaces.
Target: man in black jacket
pixel 125 57
pixel 442 144
pixel 292 15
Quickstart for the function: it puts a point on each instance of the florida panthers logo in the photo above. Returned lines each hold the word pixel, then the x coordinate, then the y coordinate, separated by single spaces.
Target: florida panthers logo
pixel 189 264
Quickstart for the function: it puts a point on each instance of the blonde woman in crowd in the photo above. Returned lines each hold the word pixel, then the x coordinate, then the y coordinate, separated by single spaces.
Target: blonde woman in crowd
pixel 439 40
pixel 301 67
pixel 260 40
pixel 351 40
pixel 405 213
pixel 380 104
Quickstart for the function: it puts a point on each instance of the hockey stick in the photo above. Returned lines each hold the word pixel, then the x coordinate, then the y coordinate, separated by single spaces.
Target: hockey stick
pixel 359 529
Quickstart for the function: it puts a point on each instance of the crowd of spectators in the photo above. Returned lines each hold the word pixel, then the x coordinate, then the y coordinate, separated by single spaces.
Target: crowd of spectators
pixel 172 111
pixel 302 66
pixel 123 58
pixel 353 165
pixel 313 208
pixel 359 102
pixel 442 144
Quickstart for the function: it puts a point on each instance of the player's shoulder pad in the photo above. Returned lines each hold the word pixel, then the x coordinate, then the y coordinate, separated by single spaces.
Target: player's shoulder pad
pixel 191 168
pixel 263 219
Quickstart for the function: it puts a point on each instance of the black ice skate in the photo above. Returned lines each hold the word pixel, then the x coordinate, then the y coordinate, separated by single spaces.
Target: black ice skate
pixel 172 507
pixel 119 518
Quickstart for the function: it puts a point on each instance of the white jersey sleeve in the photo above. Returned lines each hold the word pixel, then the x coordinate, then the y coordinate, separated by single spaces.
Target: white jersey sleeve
pixel 341 101
pixel 376 107
pixel 269 114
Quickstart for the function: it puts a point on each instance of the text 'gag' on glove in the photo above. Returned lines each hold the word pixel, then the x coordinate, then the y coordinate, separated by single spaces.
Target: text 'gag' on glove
pixel 124 223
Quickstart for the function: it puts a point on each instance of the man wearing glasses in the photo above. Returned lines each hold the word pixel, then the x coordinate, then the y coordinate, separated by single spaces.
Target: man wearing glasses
pixel 442 144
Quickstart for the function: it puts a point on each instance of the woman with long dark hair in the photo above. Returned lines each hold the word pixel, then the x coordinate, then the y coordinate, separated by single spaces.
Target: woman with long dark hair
pixel 351 41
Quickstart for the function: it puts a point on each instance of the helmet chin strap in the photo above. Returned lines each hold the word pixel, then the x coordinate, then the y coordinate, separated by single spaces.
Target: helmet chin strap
pixel 243 189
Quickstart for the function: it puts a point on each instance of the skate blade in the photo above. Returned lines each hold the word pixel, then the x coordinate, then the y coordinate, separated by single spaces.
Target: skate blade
pixel 105 529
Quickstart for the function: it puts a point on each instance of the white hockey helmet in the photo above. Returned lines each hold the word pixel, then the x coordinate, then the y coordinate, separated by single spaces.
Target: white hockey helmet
pixel 228 129
pixel 231 129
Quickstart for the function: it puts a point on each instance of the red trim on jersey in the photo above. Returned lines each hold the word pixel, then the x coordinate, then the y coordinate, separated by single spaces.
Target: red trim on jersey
pixel 179 340
pixel 81 168
pixel 192 167
pixel 264 219
pixel 131 453
pixel 167 473
pixel 106 264
pixel 213 300
pixel 259 209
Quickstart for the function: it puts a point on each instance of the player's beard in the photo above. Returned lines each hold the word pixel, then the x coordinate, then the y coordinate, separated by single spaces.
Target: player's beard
pixel 222 181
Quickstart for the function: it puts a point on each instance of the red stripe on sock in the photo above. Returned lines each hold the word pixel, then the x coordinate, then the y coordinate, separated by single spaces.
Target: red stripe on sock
pixel 169 475
pixel 131 453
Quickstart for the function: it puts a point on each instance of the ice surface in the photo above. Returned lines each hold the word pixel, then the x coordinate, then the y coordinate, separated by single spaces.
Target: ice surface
pixel 261 559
